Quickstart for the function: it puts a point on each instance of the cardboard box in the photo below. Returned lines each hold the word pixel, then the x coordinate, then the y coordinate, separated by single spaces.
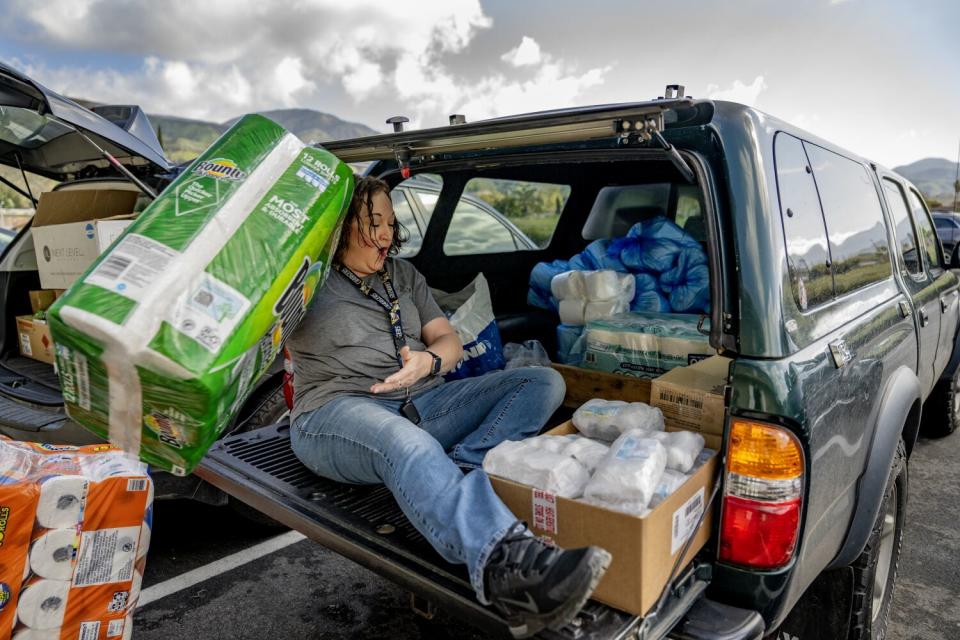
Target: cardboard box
pixel 71 228
pixel 692 397
pixel 35 340
pixel 41 300
pixel 644 549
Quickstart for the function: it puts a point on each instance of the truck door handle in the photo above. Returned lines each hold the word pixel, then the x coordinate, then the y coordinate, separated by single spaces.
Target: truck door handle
pixel 924 317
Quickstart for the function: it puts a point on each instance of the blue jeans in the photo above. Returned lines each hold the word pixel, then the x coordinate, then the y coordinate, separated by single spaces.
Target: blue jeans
pixel 365 440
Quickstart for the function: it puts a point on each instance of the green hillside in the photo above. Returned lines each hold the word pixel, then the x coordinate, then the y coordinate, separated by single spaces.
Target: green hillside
pixel 934 177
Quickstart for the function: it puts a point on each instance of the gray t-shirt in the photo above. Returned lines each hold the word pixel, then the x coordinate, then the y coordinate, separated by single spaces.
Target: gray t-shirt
pixel 344 344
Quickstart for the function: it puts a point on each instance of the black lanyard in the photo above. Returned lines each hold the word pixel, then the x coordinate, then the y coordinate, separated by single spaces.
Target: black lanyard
pixel 392 307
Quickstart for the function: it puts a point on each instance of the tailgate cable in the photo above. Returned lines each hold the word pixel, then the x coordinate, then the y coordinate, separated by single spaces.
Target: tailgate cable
pixel 654 615
pixel 113 161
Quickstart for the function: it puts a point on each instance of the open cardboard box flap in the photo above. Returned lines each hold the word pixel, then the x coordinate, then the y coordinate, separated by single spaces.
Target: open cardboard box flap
pixel 80 205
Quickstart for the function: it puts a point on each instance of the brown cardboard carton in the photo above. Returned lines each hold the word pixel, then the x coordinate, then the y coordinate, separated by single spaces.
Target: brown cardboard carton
pixel 644 549
pixel 692 397
pixel 34 338
pixel 41 299
pixel 72 227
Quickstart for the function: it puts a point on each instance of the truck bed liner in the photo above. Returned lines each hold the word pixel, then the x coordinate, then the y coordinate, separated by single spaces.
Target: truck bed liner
pixel 365 524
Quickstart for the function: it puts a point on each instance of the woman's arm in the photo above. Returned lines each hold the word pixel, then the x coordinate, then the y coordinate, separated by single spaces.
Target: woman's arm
pixel 440 338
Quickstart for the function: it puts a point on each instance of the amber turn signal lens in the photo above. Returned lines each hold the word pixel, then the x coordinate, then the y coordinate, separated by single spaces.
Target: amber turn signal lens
pixel 763 451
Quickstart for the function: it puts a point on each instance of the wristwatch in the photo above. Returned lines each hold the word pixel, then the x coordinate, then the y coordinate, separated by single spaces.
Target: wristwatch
pixel 437 363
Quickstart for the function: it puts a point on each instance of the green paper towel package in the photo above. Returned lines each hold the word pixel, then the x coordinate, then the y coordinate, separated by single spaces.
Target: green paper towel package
pixel 645 345
pixel 160 341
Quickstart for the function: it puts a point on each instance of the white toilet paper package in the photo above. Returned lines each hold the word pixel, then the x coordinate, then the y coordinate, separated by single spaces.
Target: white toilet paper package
pixel 537 466
pixel 645 344
pixel 162 339
pixel 74 526
pixel 607 419
pixel 627 478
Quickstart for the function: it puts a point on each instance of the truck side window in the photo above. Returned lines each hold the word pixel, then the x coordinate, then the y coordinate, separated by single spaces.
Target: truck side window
pixel 928 236
pixel 854 218
pixel 906 239
pixel 808 255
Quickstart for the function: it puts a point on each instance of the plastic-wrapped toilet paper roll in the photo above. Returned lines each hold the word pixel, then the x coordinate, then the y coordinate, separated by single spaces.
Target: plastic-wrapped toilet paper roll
pixel 127 628
pixel 51 555
pixel 569 284
pixel 43 603
pixel 604 309
pixel 37 634
pixel 571 311
pixel 61 501
pixel 602 285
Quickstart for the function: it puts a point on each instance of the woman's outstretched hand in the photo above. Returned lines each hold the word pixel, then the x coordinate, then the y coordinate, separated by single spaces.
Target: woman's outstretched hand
pixel 416 365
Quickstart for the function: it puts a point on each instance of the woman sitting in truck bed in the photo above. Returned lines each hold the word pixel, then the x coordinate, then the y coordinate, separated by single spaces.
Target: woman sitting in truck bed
pixel 371 407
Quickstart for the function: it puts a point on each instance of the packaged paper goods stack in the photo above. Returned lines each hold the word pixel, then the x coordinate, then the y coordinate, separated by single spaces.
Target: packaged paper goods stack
pixel 635 476
pixel 75 526
pixel 160 341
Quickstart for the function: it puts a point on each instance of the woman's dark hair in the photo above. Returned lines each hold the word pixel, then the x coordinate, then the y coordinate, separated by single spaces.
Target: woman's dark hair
pixel 365 188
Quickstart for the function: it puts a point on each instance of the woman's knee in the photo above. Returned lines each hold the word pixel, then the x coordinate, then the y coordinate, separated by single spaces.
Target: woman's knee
pixel 553 385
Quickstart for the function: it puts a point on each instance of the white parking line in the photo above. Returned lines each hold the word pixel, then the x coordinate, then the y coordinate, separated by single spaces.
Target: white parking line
pixel 215 568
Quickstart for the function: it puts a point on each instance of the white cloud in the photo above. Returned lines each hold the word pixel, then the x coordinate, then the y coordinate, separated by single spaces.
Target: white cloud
pixel 525 53
pixel 738 92
pixel 220 58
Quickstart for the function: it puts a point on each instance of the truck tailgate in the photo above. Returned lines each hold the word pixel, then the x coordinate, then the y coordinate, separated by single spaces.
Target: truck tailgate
pixel 365 524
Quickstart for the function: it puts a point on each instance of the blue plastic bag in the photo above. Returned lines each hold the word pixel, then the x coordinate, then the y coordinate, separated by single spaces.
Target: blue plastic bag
pixel 688 283
pixel 539 293
pixel 654 245
pixel 648 298
pixel 569 344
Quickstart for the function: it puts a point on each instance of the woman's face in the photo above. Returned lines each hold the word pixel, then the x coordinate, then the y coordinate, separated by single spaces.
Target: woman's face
pixel 370 239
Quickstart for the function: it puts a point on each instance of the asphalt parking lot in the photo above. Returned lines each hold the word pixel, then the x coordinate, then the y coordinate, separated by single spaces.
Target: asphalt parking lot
pixel 211 574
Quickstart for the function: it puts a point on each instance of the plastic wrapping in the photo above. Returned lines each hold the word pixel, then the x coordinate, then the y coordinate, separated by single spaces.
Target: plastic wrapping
pixel 586 451
pixel 569 285
pixel 537 467
pixel 627 478
pixel 470 311
pixel 608 419
pixel 670 481
pixel 644 345
pixel 683 448
pixel 600 309
pixel 572 310
pixel 80 578
pixel 165 335
pixel 529 354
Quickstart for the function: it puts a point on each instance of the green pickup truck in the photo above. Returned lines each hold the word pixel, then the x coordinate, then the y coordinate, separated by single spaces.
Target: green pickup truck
pixel 828 292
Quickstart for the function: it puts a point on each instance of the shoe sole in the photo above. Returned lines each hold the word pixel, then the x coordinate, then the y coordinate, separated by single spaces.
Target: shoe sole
pixel 598 560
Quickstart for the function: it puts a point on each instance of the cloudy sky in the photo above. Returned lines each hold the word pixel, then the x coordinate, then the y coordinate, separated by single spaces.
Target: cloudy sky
pixel 881 78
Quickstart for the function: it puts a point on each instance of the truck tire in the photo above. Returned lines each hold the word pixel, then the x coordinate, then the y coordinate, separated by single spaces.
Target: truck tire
pixel 941 411
pixel 875 570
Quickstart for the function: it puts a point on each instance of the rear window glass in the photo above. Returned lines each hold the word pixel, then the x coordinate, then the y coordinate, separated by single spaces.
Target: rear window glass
pixel 854 218
pixel 928 236
pixel 808 255
pixel 495 216
pixel 413 202
pixel 906 239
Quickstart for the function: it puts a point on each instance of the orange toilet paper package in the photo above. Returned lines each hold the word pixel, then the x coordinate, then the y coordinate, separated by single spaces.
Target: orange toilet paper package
pixel 74 531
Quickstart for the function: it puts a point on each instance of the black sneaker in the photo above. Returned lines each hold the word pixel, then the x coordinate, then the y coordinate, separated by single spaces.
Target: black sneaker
pixel 535 585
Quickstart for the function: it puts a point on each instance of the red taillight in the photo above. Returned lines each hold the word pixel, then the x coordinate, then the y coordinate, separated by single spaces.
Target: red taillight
pixel 761 496
pixel 758 534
